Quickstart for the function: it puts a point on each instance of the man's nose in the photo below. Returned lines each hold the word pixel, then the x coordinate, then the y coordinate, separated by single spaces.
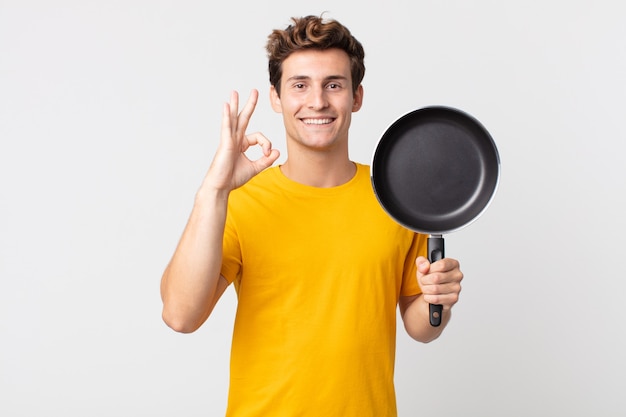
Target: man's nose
pixel 317 99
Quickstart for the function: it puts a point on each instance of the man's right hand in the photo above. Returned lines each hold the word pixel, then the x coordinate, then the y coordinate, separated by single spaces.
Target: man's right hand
pixel 191 284
pixel 231 168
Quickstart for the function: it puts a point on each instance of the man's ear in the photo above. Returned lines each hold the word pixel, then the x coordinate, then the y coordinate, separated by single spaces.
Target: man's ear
pixel 275 100
pixel 358 99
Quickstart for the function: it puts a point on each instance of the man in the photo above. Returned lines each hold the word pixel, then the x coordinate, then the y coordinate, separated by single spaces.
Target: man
pixel 318 266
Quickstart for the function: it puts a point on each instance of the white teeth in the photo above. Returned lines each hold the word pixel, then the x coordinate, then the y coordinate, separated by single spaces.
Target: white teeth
pixel 317 121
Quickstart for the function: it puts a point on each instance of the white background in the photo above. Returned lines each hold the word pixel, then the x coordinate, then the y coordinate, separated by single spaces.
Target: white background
pixel 110 114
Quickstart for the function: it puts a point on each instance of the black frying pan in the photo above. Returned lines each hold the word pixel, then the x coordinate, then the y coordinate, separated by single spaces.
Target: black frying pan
pixel 434 171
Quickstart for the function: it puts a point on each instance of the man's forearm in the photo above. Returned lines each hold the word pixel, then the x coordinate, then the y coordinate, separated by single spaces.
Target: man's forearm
pixel 190 281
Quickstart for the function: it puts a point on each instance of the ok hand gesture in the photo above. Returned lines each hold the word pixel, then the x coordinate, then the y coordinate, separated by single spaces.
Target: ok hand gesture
pixel 231 168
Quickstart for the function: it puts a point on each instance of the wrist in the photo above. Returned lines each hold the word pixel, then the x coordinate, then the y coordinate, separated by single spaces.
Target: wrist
pixel 208 194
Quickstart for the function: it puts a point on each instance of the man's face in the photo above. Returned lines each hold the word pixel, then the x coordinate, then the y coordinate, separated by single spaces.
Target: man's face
pixel 316 98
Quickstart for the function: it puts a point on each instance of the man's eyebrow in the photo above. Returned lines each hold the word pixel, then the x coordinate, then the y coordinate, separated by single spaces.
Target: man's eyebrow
pixel 328 78
pixel 336 77
pixel 298 78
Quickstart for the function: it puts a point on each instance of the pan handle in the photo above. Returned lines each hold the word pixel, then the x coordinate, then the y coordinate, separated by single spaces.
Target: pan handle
pixel 435 253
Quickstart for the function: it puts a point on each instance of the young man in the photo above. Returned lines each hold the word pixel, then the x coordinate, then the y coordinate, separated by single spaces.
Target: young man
pixel 318 266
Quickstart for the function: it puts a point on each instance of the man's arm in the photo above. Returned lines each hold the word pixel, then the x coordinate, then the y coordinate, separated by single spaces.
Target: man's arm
pixel 191 284
pixel 441 284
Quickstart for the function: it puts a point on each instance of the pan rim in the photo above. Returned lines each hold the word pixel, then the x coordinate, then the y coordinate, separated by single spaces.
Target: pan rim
pixel 382 141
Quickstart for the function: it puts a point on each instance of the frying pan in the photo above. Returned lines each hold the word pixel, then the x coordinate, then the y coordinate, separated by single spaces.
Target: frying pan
pixel 434 171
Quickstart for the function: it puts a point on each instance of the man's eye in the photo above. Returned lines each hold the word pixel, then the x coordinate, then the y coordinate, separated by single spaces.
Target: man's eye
pixel 299 86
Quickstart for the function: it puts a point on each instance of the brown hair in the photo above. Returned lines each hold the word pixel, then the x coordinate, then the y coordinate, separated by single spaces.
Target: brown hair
pixel 312 32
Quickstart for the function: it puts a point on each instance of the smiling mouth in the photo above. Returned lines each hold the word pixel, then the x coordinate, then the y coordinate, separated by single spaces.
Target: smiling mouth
pixel 317 121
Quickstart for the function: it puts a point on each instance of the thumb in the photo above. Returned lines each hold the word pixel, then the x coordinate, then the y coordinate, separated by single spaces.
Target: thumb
pixel 423 266
pixel 266 161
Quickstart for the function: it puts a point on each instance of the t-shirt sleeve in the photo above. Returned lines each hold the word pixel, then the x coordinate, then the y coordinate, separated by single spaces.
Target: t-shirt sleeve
pixel 418 247
pixel 231 252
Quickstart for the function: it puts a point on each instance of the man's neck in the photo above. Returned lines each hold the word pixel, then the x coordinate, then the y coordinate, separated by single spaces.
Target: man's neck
pixel 319 170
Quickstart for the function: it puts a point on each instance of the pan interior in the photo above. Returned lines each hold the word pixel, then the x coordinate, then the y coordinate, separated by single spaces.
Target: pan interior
pixel 435 170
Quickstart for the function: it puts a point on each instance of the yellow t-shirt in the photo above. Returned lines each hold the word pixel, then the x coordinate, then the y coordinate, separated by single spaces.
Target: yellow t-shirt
pixel 318 273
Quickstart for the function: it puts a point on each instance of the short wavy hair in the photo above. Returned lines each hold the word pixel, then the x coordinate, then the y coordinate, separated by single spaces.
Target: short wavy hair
pixel 313 32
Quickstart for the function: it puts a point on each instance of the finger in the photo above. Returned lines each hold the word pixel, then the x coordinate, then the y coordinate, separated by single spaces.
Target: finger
pixel 442 278
pixel 269 155
pixel 266 146
pixel 437 288
pixel 228 139
pixel 423 266
pixel 248 109
pixel 446 300
pixel 266 161
pixel 445 264
pixel 258 138
pixel 246 113
pixel 446 294
pixel 234 105
pixel 226 123
pixel 233 108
